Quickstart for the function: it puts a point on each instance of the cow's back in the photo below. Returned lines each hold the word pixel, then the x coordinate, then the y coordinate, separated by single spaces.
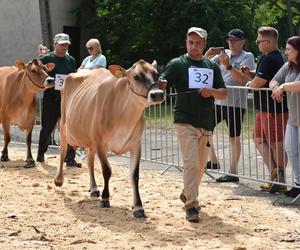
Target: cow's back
pixel 81 110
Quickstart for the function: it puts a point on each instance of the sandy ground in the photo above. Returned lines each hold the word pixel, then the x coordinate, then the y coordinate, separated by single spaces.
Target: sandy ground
pixel 34 214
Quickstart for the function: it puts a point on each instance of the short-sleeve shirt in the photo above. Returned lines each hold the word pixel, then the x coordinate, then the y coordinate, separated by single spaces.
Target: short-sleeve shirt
pixel 235 97
pixel 63 65
pixel 267 67
pixel 286 74
pixel 100 60
pixel 191 108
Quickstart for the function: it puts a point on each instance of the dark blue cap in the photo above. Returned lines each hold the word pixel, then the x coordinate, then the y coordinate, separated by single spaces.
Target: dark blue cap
pixel 236 33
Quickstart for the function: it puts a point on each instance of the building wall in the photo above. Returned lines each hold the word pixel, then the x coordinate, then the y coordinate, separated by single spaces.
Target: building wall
pixel 20 26
pixel 20 30
pixel 60 12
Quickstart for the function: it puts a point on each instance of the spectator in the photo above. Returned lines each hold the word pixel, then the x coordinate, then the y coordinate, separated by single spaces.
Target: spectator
pixel 42 50
pixel 198 81
pixel 64 65
pixel 232 109
pixel 288 79
pixel 271 116
pixel 95 59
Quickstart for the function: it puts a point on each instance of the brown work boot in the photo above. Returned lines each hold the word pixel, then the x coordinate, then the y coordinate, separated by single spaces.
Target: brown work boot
pixel 277 187
pixel 268 186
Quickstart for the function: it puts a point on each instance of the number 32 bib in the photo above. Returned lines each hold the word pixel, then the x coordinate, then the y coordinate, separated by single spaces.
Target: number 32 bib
pixel 200 78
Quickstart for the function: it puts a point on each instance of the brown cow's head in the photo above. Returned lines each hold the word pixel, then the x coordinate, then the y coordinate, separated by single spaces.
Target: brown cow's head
pixel 37 73
pixel 143 80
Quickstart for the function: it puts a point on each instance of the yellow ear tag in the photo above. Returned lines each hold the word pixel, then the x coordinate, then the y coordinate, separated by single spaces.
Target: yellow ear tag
pixel 116 70
pixel 119 73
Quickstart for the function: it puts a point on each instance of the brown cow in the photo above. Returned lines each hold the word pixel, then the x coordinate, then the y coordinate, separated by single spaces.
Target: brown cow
pixel 104 113
pixel 18 87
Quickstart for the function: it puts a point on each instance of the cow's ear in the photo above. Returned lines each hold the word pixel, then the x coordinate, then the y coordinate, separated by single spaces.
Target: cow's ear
pixel 50 66
pixel 20 64
pixel 154 64
pixel 117 71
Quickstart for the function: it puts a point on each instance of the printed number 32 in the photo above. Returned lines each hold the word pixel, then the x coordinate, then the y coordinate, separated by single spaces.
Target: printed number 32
pixel 201 78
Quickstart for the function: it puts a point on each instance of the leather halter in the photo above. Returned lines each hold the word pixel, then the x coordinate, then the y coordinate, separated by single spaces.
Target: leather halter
pixel 34 82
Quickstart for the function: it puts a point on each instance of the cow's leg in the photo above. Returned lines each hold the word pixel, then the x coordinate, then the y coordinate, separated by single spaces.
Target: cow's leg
pixel 94 191
pixel 29 158
pixel 59 177
pixel 6 127
pixel 135 154
pixel 106 172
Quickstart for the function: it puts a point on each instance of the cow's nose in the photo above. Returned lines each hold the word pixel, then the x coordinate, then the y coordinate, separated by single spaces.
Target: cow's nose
pixel 50 79
pixel 157 96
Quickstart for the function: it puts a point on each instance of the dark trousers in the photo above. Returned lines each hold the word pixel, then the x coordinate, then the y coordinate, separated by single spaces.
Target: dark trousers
pixel 50 116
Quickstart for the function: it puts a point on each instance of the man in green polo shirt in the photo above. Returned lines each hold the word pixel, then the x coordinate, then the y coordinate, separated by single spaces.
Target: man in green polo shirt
pixel 64 65
pixel 198 81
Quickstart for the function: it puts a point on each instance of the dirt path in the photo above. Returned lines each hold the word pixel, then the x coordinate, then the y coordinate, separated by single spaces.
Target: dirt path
pixel 34 214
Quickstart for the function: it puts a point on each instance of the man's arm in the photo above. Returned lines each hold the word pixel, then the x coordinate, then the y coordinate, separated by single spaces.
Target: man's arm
pixel 220 93
pixel 257 82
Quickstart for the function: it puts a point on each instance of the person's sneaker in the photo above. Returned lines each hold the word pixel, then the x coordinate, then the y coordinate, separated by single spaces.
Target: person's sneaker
pixel 73 163
pixel 293 192
pixel 192 215
pixel 40 158
pixel 228 178
pixel 276 188
pixel 210 165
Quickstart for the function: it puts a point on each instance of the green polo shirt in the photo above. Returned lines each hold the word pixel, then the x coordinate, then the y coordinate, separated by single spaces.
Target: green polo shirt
pixel 191 108
pixel 63 65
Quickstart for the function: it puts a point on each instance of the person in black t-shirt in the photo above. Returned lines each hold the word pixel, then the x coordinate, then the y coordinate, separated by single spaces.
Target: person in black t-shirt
pixel 271 116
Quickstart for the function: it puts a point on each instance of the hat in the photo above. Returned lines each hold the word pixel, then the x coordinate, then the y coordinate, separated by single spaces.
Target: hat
pixel 200 32
pixel 61 38
pixel 236 33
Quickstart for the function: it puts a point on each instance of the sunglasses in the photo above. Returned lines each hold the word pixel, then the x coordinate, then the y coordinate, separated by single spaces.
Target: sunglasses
pixel 90 48
pixel 260 41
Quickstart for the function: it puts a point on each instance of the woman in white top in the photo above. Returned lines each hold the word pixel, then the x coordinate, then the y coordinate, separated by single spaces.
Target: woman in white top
pixel 95 59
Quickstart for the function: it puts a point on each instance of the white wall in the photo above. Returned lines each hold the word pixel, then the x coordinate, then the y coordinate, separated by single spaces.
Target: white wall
pixel 20 30
pixel 20 26
pixel 61 14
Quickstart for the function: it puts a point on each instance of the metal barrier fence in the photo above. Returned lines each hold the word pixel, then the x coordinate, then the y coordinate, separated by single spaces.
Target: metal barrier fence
pixel 160 145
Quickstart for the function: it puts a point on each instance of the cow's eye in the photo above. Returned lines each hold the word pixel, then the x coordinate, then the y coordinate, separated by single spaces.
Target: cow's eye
pixel 137 77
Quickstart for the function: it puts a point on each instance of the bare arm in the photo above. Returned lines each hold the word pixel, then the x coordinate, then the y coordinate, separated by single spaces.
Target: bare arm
pixel 237 74
pixel 216 93
pixel 257 82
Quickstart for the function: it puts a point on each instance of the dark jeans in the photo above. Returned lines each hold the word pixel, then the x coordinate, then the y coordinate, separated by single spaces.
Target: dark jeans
pixel 50 116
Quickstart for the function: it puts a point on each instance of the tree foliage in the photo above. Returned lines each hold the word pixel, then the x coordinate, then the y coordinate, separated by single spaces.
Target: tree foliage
pixel 130 30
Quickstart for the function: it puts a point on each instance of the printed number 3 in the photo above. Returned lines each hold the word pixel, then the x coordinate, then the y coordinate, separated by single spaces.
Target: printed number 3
pixel 199 79
pixel 61 82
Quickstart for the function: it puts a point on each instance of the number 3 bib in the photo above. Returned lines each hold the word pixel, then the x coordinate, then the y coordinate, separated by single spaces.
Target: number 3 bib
pixel 200 78
pixel 59 81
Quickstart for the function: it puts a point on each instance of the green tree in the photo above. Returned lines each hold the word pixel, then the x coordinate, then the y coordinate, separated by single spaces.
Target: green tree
pixel 149 29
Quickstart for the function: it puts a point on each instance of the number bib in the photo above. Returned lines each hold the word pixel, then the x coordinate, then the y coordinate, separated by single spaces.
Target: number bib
pixel 59 81
pixel 200 78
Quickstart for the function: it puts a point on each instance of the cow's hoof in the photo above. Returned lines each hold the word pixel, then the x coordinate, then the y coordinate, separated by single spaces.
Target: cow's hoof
pixel 95 193
pixel 30 164
pixel 59 182
pixel 4 158
pixel 104 204
pixel 140 213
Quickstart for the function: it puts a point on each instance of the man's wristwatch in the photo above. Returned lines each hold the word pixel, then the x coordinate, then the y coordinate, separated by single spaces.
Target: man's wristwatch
pixel 229 67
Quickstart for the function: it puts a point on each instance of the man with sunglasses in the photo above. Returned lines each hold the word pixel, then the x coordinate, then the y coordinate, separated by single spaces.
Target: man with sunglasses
pixel 232 108
pixel 271 116
pixel 64 65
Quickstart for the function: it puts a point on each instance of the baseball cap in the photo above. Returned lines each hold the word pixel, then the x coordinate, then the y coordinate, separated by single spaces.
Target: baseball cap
pixel 236 33
pixel 200 32
pixel 62 38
